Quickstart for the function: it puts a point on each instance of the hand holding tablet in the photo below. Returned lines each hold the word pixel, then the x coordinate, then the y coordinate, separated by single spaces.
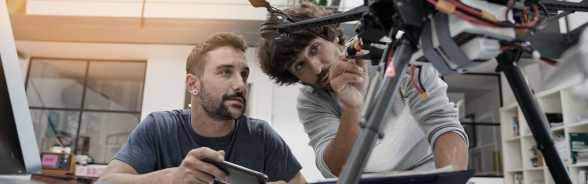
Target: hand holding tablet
pixel 238 174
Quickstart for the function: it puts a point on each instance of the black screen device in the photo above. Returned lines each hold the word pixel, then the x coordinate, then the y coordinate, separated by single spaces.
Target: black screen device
pixel 238 174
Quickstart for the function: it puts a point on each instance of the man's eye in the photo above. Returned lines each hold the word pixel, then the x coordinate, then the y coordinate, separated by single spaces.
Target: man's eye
pixel 245 76
pixel 225 72
pixel 299 66
pixel 315 48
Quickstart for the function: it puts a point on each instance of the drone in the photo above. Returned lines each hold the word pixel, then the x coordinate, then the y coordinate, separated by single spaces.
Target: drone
pixel 453 36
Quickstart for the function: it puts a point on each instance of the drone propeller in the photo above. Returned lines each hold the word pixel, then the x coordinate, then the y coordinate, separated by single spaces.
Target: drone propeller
pixel 260 3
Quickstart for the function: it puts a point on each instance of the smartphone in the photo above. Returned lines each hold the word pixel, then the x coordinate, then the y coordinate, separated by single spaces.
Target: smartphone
pixel 238 174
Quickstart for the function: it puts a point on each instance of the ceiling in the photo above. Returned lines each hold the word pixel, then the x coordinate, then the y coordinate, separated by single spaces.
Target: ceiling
pixel 126 29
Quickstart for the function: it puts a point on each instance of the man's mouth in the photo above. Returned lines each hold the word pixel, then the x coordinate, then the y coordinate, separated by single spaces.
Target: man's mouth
pixel 326 79
pixel 236 99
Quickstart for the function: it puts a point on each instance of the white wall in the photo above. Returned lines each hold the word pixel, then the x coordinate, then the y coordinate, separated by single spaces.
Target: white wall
pixel 486 108
pixel 164 85
pixel 286 123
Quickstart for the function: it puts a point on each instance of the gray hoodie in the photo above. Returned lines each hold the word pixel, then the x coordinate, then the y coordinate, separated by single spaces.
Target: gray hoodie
pixel 410 132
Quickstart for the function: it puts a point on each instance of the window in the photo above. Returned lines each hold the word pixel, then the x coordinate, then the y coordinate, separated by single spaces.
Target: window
pixel 90 106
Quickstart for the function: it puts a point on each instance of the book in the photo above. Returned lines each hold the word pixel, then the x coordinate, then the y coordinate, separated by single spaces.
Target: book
pixel 515 126
pixel 578 144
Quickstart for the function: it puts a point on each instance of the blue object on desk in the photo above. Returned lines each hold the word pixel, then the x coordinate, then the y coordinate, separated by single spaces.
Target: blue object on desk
pixel 460 177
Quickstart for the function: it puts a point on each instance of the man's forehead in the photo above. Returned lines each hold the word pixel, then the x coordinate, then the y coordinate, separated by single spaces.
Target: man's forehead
pixel 225 56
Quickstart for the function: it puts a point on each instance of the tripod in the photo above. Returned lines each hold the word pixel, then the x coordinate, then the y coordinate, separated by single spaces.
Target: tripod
pixel 507 62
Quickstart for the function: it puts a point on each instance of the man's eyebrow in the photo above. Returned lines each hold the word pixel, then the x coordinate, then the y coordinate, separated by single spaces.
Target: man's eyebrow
pixel 225 66
pixel 246 68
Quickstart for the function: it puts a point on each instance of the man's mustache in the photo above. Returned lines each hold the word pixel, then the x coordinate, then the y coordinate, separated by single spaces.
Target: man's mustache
pixel 322 75
pixel 237 94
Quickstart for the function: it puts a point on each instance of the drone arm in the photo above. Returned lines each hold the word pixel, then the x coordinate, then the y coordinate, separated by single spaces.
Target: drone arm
pixel 353 14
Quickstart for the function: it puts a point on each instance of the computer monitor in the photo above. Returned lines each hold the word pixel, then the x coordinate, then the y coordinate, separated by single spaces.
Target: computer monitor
pixel 18 147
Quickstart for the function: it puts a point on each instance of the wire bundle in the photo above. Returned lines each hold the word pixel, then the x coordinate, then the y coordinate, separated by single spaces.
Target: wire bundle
pixel 422 91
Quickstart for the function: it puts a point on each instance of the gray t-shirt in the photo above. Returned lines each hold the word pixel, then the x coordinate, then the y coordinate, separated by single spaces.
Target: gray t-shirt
pixel 410 131
pixel 163 139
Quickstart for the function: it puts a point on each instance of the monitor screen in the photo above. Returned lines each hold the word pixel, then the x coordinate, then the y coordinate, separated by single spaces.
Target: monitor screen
pixel 11 159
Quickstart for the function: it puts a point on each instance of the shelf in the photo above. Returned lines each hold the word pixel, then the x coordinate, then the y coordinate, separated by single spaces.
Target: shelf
pixel 559 128
pixel 547 93
pixel 568 83
pixel 578 124
pixel 527 135
pixel 509 107
pixel 513 139
pixel 584 164
pixel 535 169
pixel 515 170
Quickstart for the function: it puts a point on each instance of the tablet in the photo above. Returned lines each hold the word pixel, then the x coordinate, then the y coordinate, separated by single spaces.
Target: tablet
pixel 238 174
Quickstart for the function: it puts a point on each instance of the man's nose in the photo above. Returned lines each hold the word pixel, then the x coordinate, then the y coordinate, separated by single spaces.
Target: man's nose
pixel 316 66
pixel 239 84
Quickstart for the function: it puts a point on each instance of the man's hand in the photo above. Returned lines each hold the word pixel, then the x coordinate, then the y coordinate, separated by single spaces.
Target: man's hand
pixel 349 79
pixel 277 182
pixel 194 170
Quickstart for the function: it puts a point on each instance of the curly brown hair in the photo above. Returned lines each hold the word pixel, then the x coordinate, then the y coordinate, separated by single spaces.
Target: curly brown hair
pixel 199 55
pixel 275 57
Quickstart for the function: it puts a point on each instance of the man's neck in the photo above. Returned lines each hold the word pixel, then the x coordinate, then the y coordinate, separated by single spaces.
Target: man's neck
pixel 205 126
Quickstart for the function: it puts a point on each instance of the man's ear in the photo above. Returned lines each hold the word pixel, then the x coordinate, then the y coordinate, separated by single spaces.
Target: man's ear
pixel 336 40
pixel 192 83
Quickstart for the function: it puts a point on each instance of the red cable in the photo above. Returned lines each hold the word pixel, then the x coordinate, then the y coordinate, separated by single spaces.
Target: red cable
pixel 548 62
pixel 535 20
pixel 510 3
pixel 412 79
pixel 503 48
pixel 466 8
pixel 469 19
pixel 390 71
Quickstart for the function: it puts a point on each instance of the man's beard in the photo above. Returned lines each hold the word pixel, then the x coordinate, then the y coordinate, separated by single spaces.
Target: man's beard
pixel 318 84
pixel 217 109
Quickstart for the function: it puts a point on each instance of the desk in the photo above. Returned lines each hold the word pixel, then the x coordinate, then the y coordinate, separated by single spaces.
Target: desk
pixel 51 180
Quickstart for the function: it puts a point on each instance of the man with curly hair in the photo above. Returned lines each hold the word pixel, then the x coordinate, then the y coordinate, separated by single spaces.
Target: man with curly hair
pixel 168 147
pixel 420 134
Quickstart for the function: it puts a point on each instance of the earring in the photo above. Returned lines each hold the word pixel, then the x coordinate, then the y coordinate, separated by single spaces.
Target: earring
pixel 195 92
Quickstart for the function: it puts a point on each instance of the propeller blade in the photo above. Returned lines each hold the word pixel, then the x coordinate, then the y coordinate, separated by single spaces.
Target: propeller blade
pixel 260 3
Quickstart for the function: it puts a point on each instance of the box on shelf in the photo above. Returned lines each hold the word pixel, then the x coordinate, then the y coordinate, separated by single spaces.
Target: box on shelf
pixel 90 170
pixel 579 147
pixel 554 119
pixel 560 145
pixel 537 159
pixel 518 179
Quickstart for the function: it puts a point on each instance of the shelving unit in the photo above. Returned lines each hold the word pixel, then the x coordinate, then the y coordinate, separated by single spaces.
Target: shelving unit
pixel 517 149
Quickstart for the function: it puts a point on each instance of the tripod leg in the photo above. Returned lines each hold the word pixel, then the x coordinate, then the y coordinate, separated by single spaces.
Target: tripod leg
pixel 507 63
pixel 369 133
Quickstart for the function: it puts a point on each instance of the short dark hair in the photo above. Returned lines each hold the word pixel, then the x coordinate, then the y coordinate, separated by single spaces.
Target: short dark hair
pixel 197 58
pixel 275 57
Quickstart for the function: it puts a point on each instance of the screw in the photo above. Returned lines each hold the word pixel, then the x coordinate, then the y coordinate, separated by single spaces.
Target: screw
pixel 280 17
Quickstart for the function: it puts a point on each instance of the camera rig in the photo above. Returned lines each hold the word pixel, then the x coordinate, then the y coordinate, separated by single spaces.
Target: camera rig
pixel 453 36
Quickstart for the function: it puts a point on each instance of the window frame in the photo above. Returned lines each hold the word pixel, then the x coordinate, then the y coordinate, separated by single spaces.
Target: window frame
pixel 81 109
